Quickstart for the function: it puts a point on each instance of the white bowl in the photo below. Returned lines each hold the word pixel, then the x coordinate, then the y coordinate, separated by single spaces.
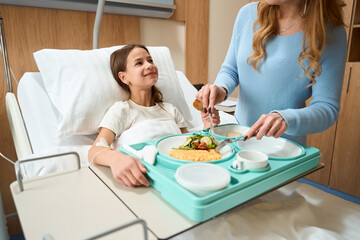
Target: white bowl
pixel 273 147
pixel 223 130
pixel 249 159
pixel 202 178
pixel 167 144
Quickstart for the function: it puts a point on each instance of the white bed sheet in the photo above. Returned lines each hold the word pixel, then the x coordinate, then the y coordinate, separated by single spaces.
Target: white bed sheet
pixel 295 211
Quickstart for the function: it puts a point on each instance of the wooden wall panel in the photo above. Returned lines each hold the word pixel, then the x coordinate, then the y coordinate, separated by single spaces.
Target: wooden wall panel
pixel 180 11
pixel 197 41
pixel 116 30
pixel 348 9
pixel 323 141
pixel 346 158
pixel 30 29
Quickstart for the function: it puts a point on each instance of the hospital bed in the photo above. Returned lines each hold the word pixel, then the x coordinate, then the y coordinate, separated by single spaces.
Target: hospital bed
pixel 39 120
pixel 63 201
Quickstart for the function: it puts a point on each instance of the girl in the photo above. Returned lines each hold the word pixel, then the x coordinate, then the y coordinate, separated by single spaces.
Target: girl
pixel 141 118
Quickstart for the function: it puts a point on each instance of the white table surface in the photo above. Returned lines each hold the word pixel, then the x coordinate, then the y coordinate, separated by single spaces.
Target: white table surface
pixel 146 203
pixel 80 203
pixel 71 205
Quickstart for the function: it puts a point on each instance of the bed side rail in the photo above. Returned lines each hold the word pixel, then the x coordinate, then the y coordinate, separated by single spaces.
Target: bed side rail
pixel 17 127
pixel 18 173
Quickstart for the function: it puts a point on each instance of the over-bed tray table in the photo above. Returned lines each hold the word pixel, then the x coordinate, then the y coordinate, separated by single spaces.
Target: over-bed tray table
pixel 80 203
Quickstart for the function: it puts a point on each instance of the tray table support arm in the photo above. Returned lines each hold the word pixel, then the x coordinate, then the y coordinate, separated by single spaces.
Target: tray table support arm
pixel 111 230
pixel 120 227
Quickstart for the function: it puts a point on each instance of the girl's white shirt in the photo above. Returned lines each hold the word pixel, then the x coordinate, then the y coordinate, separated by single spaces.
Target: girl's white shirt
pixel 133 123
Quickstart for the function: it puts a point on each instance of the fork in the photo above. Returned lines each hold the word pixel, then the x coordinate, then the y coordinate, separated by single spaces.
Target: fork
pixel 229 140
pixel 211 126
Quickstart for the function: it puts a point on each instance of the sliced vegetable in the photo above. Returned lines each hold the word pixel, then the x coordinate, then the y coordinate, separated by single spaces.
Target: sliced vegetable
pixel 187 142
pixel 199 142
pixel 207 140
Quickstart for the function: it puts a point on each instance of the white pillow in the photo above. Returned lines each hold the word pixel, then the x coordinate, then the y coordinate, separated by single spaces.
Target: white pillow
pixel 81 87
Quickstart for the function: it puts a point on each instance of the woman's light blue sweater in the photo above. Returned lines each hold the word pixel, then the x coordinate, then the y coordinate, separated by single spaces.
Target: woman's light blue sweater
pixel 277 86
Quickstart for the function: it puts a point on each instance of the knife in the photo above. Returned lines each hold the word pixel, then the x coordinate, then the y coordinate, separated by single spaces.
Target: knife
pixel 226 142
pixel 229 140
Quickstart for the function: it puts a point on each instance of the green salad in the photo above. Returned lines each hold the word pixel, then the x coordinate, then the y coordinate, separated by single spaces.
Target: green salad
pixel 198 142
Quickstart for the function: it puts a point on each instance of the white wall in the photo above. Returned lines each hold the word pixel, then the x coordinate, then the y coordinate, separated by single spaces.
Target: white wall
pixel 221 21
pixel 171 34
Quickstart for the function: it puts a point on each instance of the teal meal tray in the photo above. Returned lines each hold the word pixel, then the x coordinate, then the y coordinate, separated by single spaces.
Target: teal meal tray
pixel 244 185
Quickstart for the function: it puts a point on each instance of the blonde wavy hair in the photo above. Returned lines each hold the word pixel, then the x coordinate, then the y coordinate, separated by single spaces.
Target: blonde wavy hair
pixel 318 13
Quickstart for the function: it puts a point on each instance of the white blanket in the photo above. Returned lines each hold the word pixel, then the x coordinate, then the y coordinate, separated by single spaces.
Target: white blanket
pixel 146 131
pixel 53 165
pixel 296 211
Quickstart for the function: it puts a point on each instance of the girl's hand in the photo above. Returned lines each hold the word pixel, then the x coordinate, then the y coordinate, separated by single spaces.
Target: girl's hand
pixel 128 170
pixel 206 119
pixel 271 124
pixel 210 95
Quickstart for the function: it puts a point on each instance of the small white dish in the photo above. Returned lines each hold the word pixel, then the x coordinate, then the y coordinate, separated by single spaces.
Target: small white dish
pixel 273 147
pixel 224 130
pixel 202 178
pixel 249 159
pixel 148 153
pixel 167 144
pixel 134 152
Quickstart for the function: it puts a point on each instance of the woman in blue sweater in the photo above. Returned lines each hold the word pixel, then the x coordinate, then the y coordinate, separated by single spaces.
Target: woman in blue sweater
pixel 283 52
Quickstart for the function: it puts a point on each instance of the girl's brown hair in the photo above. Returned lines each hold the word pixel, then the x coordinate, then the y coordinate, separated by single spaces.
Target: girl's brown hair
pixel 318 13
pixel 118 62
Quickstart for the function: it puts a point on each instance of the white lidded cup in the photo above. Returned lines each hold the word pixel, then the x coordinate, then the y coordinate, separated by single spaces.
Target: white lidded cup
pixel 250 159
pixel 202 178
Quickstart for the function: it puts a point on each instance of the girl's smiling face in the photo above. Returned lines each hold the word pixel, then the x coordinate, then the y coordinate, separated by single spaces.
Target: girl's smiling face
pixel 141 72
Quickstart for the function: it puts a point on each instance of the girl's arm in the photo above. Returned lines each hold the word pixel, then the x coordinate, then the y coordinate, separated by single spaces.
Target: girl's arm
pixel 126 169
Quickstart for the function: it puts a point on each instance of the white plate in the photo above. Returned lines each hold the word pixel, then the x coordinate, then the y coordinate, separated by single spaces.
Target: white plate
pixel 202 178
pixel 167 144
pixel 222 130
pixel 273 147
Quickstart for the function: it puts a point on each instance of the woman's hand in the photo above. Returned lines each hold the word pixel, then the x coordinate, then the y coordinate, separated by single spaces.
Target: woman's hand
pixel 271 124
pixel 128 170
pixel 210 95
pixel 206 119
